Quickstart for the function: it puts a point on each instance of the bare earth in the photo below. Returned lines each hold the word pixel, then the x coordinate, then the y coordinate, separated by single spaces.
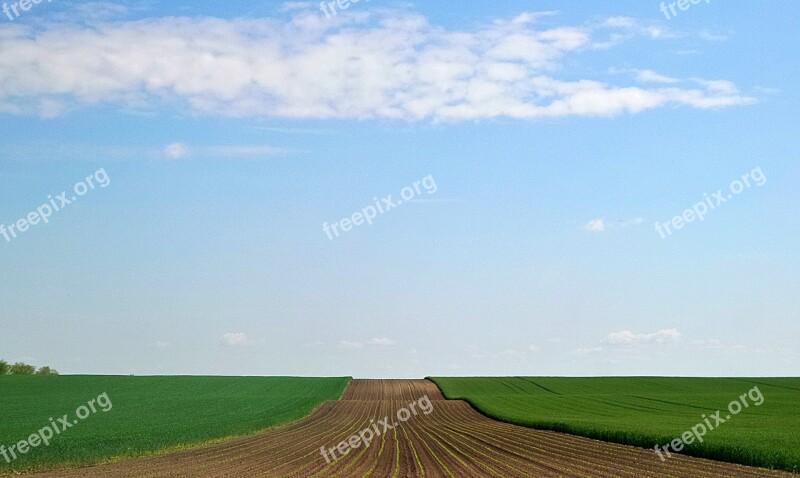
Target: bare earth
pixel 452 441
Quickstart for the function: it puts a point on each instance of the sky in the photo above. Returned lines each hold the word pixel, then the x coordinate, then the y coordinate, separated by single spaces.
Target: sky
pixel 400 189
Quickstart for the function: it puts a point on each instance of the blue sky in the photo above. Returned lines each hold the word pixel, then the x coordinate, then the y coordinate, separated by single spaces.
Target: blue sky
pixel 557 135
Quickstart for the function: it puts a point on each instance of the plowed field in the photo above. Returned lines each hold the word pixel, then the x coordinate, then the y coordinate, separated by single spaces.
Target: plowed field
pixel 451 441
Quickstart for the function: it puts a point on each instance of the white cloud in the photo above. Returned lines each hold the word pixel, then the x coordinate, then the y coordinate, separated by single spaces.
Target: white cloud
pixel 626 337
pixel 720 86
pixel 235 339
pixel 176 151
pixel 595 225
pixel 282 129
pixel 616 22
pixel 600 225
pixel 375 342
pixel 708 36
pixel 180 151
pixel 650 76
pixel 51 108
pixel 530 17
pixel 383 341
pixel 367 65
pixel 626 29
pixel 162 345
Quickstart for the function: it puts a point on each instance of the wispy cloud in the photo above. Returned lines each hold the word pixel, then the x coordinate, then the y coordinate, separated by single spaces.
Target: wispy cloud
pixel 650 76
pixel 381 341
pixel 719 86
pixel 709 36
pixel 601 225
pixel 381 64
pixel 176 151
pixel 183 151
pixel 626 337
pixel 235 339
pixel 289 130
pixel 374 342
pixel 595 225
pixel 620 29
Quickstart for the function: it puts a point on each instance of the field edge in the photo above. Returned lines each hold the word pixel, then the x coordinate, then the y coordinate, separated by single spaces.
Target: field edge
pixel 717 453
pixel 72 465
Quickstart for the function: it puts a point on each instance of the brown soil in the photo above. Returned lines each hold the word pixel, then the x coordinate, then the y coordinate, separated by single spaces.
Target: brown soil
pixel 452 441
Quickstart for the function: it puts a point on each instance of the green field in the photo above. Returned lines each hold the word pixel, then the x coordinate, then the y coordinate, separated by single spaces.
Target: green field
pixel 649 411
pixel 148 414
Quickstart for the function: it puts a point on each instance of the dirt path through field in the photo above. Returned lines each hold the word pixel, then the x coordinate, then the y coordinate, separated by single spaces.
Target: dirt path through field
pixel 439 438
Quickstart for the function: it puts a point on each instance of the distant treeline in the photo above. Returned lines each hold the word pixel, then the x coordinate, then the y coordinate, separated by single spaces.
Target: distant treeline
pixel 21 368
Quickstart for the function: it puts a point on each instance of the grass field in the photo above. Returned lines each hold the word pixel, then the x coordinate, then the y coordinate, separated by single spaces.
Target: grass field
pixel 648 411
pixel 364 435
pixel 148 414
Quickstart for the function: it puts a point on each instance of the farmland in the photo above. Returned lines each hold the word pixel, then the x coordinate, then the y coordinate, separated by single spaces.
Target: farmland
pixel 149 413
pixel 453 440
pixel 648 411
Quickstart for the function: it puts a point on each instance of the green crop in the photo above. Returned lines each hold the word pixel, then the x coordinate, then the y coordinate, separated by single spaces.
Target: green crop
pixel 649 411
pixel 149 414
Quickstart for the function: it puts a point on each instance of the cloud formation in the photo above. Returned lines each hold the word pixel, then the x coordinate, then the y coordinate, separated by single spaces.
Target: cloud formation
pixel 182 151
pixel 235 339
pixel 374 342
pixel 381 341
pixel 626 337
pixel 176 151
pixel 595 225
pixel 600 225
pixel 361 65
